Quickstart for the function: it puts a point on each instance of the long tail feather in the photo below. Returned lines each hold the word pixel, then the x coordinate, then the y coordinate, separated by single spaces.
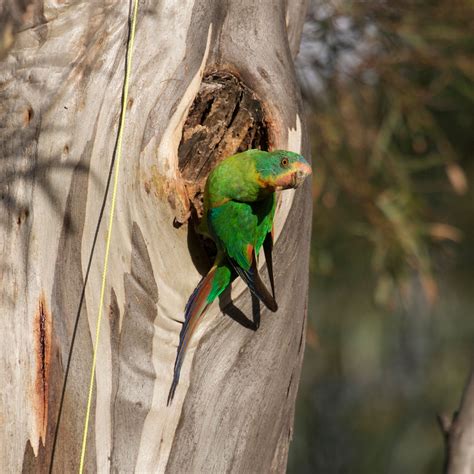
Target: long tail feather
pixel 255 284
pixel 217 279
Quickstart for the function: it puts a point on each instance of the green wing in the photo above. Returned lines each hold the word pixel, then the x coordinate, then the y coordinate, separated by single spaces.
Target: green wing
pixel 240 228
pixel 233 227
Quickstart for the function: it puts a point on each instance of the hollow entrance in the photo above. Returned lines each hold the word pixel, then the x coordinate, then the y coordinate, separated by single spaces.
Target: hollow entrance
pixel 225 118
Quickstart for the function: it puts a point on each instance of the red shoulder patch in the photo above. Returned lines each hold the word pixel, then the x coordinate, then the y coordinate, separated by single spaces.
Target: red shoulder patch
pixel 250 252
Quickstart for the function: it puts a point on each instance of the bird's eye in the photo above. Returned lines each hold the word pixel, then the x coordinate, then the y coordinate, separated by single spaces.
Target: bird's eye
pixel 284 162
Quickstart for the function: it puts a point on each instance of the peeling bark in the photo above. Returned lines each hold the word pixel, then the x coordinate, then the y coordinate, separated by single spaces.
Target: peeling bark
pixel 208 79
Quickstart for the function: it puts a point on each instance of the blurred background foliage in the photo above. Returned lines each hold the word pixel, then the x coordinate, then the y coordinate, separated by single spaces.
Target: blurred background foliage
pixel 389 90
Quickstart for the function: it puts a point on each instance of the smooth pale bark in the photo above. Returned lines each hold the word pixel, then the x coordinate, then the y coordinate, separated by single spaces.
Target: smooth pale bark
pixel 61 76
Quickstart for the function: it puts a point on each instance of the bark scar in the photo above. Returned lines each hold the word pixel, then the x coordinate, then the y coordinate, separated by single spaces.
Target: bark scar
pixel 42 342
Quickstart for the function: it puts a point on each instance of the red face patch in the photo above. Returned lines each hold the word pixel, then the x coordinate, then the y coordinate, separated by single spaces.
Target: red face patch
pixel 284 180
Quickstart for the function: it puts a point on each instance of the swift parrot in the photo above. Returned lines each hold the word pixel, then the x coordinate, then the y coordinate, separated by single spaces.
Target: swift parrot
pixel 239 207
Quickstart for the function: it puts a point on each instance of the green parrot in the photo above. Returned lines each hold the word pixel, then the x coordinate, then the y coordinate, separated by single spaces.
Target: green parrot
pixel 239 207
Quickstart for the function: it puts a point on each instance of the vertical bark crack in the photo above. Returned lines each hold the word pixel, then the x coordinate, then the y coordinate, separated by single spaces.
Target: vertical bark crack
pixel 42 341
pixel 42 334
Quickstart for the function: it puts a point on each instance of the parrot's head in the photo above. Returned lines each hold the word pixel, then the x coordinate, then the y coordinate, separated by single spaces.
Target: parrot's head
pixel 282 169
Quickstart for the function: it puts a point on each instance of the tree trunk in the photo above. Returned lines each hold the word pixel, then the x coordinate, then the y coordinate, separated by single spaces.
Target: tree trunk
pixel 458 433
pixel 208 79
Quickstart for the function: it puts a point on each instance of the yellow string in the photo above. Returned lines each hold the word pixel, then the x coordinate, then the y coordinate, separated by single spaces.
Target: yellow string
pixel 109 230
